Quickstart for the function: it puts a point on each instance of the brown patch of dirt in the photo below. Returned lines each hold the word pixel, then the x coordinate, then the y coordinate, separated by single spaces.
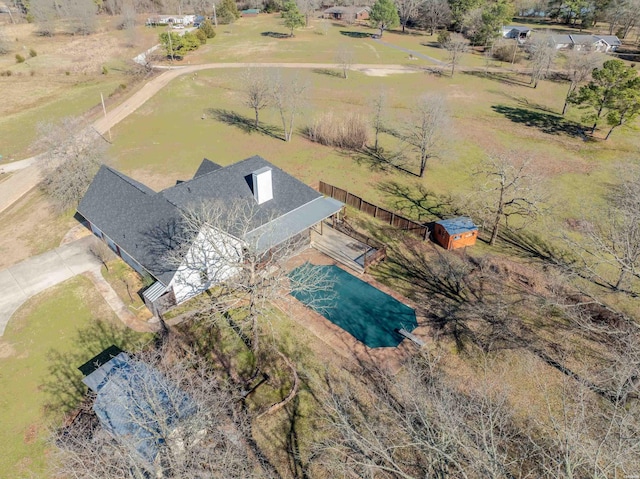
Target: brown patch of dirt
pixel 31 434
pixel 6 350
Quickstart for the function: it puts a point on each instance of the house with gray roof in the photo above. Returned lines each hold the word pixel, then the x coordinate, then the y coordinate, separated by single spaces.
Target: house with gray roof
pixel 150 232
pixel 596 43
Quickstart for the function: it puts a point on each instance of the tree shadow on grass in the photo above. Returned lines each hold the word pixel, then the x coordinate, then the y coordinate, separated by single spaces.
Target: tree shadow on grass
pixel 418 202
pixel 505 78
pixel 328 72
pixel 350 34
pixel 275 35
pixel 246 124
pixel 546 122
pixel 381 160
pixel 63 384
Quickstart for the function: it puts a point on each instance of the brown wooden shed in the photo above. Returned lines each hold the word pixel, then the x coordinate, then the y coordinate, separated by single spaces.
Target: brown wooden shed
pixel 455 233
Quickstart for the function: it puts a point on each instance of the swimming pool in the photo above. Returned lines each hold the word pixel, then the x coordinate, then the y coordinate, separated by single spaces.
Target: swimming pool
pixel 365 312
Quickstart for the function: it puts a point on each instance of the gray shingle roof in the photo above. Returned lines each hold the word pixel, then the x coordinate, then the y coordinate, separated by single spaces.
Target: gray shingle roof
pixel 233 183
pixel 145 224
pixel 207 166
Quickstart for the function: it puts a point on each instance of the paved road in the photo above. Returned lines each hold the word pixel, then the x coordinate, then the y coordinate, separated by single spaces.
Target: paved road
pixel 24 280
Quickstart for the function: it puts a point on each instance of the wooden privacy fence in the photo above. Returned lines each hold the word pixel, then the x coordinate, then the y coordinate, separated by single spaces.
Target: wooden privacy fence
pixel 400 222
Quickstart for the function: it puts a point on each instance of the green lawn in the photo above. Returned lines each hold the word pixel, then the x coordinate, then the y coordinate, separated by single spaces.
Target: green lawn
pixel 45 341
pixel 66 98
pixel 167 138
pixel 257 39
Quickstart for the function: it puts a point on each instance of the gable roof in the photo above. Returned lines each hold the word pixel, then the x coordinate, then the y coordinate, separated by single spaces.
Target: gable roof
pixel 611 40
pixel 207 166
pixel 458 225
pixel 145 224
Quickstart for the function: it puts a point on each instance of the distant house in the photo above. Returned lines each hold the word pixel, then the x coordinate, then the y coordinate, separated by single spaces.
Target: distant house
pixel 250 12
pixel 184 20
pixel 146 228
pixel 455 232
pixel 518 33
pixel 136 403
pixel 596 43
pixel 347 13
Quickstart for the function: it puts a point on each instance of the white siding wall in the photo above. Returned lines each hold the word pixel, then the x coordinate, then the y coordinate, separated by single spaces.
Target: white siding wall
pixel 213 257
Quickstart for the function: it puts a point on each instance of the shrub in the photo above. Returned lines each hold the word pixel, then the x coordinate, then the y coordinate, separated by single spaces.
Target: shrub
pixel 33 53
pixel 207 28
pixel 19 58
pixel 67 73
pixel 105 70
pixel 350 132
pixel 6 73
pixel 201 36
pixel 32 73
pixel 444 37
pixel 505 52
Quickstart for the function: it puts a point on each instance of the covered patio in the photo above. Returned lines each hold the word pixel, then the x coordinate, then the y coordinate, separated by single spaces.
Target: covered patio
pixel 348 247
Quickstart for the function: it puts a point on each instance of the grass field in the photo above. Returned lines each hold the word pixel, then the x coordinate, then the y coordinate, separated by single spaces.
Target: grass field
pixel 63 79
pixel 45 341
pixel 167 138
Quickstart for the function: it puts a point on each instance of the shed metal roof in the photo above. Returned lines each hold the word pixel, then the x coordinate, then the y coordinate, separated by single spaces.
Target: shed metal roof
pixel 458 225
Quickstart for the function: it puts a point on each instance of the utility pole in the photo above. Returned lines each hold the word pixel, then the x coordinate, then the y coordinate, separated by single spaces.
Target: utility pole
pixel 104 109
pixel 215 17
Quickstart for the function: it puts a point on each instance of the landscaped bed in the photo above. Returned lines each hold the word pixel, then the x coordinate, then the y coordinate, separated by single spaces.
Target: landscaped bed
pixel 365 312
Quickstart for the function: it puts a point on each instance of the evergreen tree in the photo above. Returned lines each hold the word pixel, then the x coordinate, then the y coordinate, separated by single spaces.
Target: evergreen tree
pixel 384 15
pixel 292 17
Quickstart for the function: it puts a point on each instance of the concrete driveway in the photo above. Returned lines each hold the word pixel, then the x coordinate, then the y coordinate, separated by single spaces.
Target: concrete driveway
pixel 23 280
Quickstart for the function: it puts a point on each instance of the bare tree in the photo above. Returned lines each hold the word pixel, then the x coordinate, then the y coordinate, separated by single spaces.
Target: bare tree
pixel 542 55
pixel 128 22
pixel 623 15
pixel 455 50
pixel 73 154
pixel 102 252
pixel 417 424
pixel 578 67
pixel 407 10
pixel 345 58
pixel 81 16
pixel 238 253
pixel 434 14
pixel 257 90
pixel 307 7
pixel 288 96
pixel 612 239
pixel 45 15
pixel 378 109
pixel 509 191
pixel 426 126
pixel 179 422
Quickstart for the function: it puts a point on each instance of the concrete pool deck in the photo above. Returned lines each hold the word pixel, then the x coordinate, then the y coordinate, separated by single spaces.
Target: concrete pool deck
pixel 340 340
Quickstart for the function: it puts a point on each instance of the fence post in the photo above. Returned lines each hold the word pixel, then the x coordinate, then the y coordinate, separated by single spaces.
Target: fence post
pixel 393 217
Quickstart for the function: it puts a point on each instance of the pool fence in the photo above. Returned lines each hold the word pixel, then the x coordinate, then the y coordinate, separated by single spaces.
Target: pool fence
pixel 389 217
